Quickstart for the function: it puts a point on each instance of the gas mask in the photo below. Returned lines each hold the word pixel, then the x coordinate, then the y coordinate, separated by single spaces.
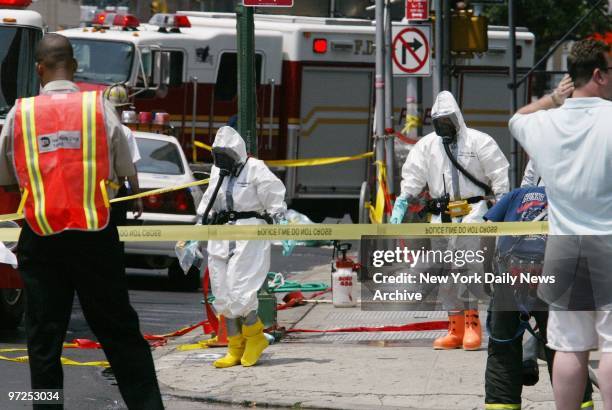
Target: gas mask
pixel 446 128
pixel 226 160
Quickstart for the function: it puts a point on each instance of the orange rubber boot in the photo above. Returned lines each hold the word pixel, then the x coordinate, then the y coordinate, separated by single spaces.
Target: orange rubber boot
pixel 472 338
pixel 454 338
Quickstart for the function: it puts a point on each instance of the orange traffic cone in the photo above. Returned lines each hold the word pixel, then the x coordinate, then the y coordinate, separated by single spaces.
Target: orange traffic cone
pixel 220 340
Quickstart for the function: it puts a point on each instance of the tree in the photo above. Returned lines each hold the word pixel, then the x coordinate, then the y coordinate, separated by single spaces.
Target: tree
pixel 549 20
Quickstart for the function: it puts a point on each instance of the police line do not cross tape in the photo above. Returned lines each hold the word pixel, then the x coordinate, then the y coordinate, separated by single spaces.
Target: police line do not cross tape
pixel 163 233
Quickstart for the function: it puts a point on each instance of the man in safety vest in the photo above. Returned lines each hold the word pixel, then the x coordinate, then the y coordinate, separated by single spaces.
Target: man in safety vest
pixel 66 151
pixel 462 168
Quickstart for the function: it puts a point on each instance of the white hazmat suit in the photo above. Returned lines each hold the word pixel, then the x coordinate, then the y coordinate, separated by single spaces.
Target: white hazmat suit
pixel 428 164
pixel 238 268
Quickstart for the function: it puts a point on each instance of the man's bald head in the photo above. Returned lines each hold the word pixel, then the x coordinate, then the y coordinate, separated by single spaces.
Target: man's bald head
pixel 54 50
pixel 55 58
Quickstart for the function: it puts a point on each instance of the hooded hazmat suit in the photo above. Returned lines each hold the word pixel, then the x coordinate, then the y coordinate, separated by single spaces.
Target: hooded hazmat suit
pixel 428 164
pixel 239 268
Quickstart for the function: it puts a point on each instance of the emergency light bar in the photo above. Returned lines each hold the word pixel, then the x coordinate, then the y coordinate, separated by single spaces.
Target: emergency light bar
pixel 15 3
pixel 106 19
pixel 170 21
pixel 126 21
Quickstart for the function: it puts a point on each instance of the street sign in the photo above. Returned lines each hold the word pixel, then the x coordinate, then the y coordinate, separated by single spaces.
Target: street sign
pixel 417 10
pixel 411 51
pixel 268 3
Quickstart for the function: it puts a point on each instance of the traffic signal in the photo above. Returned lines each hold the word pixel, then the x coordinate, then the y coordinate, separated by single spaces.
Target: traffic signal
pixel 159 6
pixel 468 32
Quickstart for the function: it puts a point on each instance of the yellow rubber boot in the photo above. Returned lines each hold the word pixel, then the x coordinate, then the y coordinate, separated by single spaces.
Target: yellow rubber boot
pixel 235 349
pixel 256 343
pixel 454 337
pixel 472 338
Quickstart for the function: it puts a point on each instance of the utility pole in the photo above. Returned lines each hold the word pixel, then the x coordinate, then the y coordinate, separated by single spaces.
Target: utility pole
pixel 514 158
pixel 389 138
pixel 247 104
pixel 445 57
pixel 379 83
pixel 438 76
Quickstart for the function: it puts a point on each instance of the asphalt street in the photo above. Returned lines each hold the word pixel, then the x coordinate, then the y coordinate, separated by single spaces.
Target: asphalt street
pixel 160 311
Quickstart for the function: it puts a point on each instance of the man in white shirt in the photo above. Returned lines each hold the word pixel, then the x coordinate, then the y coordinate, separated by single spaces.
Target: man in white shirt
pixel 570 143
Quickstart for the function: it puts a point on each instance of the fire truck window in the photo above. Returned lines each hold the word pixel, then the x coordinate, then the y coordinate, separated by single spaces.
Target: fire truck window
pixel 176 68
pixel 226 87
pixel 17 75
pixel 147 64
pixel 93 57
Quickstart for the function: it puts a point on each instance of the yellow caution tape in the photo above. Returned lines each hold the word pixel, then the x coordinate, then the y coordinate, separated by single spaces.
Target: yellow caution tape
pixel 159 191
pixel 377 211
pixel 412 122
pixel 306 162
pixel 19 215
pixel 11 217
pixel 163 233
pixel 312 162
pixel 202 145
pixel 65 360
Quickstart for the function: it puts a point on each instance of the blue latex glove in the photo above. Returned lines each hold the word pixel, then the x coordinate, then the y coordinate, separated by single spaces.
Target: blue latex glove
pixel 399 210
pixel 288 244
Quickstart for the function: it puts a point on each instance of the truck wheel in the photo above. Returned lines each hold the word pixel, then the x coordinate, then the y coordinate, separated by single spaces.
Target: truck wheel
pixel 12 306
pixel 181 281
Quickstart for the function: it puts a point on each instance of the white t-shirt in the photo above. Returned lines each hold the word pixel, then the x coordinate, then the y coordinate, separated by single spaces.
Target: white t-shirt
pixel 571 146
pixel 134 153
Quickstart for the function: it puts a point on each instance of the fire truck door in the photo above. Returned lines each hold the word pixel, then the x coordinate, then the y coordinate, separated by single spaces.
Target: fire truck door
pixel 335 121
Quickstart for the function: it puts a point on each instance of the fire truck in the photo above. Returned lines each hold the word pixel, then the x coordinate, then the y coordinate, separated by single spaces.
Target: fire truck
pixel 315 87
pixel 20 31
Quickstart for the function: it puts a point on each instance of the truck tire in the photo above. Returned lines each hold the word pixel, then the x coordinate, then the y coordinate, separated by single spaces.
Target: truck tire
pixel 12 306
pixel 181 281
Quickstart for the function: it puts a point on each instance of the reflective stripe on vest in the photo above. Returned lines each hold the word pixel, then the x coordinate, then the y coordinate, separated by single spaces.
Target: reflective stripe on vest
pixel 61 155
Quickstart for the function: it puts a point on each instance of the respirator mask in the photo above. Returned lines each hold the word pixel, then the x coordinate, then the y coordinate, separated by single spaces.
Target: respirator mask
pixel 226 160
pixel 446 127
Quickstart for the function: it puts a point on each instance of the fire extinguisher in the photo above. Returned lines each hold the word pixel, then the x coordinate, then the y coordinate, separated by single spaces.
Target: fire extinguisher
pixel 344 277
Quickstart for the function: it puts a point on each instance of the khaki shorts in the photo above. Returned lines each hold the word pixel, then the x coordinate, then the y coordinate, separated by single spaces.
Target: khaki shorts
pixel 579 331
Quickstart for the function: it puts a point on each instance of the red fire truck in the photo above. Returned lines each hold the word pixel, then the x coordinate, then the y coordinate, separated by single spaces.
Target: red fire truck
pixel 315 87
pixel 20 30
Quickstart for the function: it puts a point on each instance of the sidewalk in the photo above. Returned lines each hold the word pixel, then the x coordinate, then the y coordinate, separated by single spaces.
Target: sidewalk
pixel 342 370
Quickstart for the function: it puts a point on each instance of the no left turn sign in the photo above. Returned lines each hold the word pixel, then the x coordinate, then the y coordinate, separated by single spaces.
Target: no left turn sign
pixel 411 50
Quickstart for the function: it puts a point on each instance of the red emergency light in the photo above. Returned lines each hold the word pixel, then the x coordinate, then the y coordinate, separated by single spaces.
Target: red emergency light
pixel 181 22
pixel 99 19
pixel 126 21
pixel 15 3
pixel 319 45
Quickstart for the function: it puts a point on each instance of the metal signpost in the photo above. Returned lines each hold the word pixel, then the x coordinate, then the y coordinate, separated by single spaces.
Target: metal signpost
pixel 247 103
